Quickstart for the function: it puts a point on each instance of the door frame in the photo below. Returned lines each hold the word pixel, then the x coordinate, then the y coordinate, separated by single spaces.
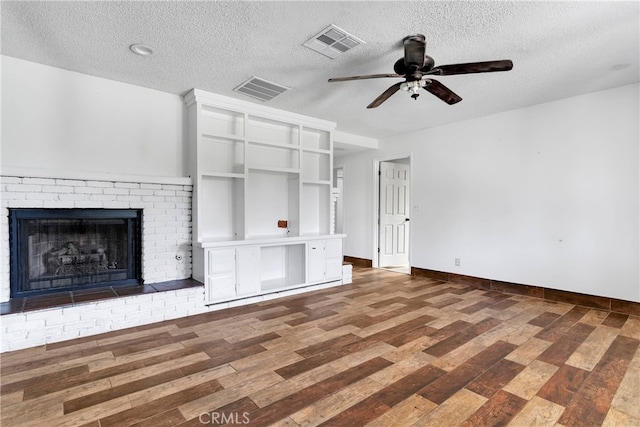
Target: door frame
pixel 376 203
pixel 342 200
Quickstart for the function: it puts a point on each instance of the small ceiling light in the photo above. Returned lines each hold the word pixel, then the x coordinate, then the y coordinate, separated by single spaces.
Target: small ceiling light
pixel 140 49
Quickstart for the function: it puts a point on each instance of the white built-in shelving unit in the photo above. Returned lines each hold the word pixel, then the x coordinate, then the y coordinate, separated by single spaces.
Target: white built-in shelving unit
pixel 254 166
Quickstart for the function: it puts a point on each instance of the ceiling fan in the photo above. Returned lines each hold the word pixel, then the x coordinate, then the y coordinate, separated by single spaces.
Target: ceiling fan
pixel 416 67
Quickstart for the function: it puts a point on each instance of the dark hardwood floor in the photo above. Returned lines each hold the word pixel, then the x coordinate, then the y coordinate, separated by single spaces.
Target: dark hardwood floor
pixel 387 350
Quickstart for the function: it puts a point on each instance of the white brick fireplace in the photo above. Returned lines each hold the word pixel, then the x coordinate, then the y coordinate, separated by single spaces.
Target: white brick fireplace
pixel 166 254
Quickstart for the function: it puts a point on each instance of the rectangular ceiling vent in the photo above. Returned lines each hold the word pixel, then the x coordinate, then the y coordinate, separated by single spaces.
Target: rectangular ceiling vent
pixel 261 89
pixel 332 41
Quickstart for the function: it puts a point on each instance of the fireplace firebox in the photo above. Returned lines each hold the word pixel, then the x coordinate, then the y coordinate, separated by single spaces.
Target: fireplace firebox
pixel 54 250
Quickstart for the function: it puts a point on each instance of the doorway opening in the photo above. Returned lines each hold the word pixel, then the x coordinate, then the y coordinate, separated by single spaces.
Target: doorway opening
pixel 338 198
pixel 393 214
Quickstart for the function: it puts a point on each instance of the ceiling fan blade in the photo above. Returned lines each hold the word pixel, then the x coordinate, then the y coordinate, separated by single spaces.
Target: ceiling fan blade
pixel 472 67
pixel 385 95
pixel 442 92
pixel 414 50
pixel 370 76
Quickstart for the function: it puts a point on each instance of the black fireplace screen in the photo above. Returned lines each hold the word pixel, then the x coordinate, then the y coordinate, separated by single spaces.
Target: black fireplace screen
pixel 66 249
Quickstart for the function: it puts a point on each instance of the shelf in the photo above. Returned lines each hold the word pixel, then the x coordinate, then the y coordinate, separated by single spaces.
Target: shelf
pixel 316 139
pixel 220 208
pixel 207 174
pixel 275 170
pixel 218 121
pixel 282 266
pixel 315 215
pixel 266 131
pixel 281 283
pixel 272 157
pixel 274 144
pixel 274 240
pixel 315 150
pixel 272 197
pixel 316 166
pixel 315 182
pixel 222 135
pixel 221 155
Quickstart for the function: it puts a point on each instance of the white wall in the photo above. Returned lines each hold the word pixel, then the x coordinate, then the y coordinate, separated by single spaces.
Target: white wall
pixel 547 195
pixel 58 120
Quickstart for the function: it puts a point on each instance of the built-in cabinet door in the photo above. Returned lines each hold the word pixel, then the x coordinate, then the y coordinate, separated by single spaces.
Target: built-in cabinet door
pixel 325 260
pixel 333 256
pixel 248 271
pixel 317 263
pixel 221 274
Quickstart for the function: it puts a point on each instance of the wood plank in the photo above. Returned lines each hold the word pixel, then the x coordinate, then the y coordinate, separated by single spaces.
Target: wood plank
pixel 615 320
pixel 498 410
pixel 454 411
pixel 593 399
pixel 446 386
pixel 628 394
pixel 563 385
pixel 531 379
pixel 544 319
pixel 495 378
pixel 558 328
pixel 538 412
pixel 119 391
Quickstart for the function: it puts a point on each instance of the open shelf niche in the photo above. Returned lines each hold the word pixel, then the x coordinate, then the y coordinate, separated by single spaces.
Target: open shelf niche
pixel 262 177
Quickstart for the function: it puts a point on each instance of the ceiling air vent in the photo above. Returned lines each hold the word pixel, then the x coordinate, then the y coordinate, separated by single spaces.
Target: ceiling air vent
pixel 332 41
pixel 261 89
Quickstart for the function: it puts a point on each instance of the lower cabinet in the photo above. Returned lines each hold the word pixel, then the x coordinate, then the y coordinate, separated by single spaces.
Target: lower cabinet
pixel 232 273
pixel 251 268
pixel 325 260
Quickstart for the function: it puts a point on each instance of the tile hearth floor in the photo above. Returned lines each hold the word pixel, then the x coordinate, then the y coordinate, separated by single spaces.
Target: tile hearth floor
pixel 387 350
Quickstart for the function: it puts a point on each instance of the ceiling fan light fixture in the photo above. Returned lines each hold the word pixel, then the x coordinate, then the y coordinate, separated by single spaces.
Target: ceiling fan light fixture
pixel 413 87
pixel 332 42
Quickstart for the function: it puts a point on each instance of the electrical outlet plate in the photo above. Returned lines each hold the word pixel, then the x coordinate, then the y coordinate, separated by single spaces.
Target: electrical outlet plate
pixel 457 261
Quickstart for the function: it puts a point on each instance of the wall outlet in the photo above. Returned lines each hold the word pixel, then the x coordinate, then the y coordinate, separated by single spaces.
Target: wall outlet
pixel 457 260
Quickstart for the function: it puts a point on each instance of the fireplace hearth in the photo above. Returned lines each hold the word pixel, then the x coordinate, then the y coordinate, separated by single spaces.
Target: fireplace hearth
pixel 56 250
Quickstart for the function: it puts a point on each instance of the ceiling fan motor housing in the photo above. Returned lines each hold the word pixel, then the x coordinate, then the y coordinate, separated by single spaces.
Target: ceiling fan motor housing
pixel 400 68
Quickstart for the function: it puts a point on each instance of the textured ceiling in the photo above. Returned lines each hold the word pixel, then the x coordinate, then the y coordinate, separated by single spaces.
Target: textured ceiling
pixel 559 49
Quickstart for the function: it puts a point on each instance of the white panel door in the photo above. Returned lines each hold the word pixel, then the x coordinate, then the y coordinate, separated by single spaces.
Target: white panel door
pixel 393 237
pixel 221 274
